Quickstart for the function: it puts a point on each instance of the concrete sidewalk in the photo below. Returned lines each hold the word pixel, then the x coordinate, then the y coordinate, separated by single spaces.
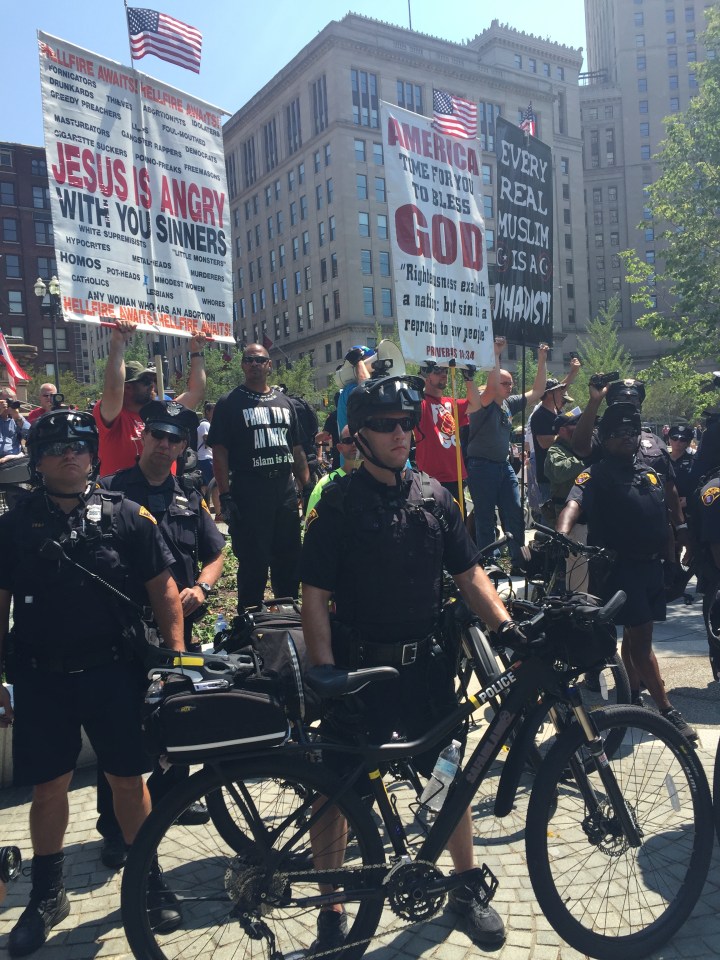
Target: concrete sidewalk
pixel 94 929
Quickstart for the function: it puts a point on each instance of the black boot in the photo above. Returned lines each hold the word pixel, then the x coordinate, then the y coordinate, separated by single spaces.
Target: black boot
pixel 162 905
pixel 48 906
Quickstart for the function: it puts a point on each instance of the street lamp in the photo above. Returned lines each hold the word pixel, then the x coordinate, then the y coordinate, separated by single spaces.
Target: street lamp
pixel 53 288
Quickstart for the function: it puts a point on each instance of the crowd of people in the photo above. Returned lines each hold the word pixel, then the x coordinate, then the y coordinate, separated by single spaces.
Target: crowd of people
pixel 119 515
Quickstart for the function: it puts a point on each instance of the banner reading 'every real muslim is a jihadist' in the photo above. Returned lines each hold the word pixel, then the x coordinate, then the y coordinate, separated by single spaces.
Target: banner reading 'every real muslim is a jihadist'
pixel 138 196
pixel 434 192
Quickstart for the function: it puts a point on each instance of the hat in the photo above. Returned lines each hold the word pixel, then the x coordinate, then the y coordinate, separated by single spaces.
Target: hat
pixel 619 415
pixel 681 432
pixel 170 417
pixel 568 419
pixel 552 384
pixel 626 391
pixel 134 370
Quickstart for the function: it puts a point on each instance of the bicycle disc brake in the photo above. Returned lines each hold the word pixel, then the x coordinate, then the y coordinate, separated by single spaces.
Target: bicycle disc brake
pixel 408 890
pixel 604 830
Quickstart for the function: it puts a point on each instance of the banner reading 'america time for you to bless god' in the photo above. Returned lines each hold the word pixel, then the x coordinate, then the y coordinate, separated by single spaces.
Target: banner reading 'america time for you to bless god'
pixel 434 187
pixel 138 197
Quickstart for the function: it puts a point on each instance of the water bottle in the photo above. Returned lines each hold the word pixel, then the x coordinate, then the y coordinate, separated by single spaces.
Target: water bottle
pixel 433 796
pixel 221 624
pixel 222 629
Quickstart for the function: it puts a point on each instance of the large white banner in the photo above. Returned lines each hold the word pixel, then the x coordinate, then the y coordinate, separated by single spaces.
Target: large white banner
pixel 434 185
pixel 138 197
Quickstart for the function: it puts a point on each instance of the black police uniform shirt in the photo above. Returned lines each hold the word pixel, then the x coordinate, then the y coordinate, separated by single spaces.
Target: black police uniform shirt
pixel 381 556
pixel 683 468
pixel 541 425
pixel 183 518
pixel 624 505
pixel 57 607
pixel 709 510
pixel 259 431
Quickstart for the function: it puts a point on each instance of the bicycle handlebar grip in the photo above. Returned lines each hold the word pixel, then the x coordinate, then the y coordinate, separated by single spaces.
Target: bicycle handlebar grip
pixel 613 606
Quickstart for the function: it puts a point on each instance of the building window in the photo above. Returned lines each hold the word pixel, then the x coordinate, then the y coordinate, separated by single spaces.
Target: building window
pixel 674 104
pixel 319 197
pixel 44 232
pixel 328 353
pixel 643 106
pixel 672 59
pixel 329 190
pixel 298 282
pixel 293 213
pixel 642 85
pixel 613 215
pixel 308 278
pixel 366 262
pixel 316 161
pixel 320 104
pixel 649 234
pixel 488 209
pixel 333 266
pixel 276 324
pixel 331 228
pixel 598 218
pixel 295 248
pixel 638 19
pixel 566 215
pixel 364 224
pixel 380 195
pixel 12 267
pixel 306 242
pixel 323 270
pixel 673 82
pixel 692 55
pixel 600 283
pixel 249 164
pixel 310 314
pixel 6 157
pixel 321 233
pixel 409 96
pixel 365 101
pixel 286 322
pixel 268 196
pixel 281 254
pixel 326 307
pixel 274 293
pixel 283 288
pixel 568 241
pixel 293 131
pixel 7 194
pixel 560 73
pixel 645 151
pixel 378 157
pixel 546 69
pixel 669 15
pixel 271 227
pixel 486 174
pixel 382 226
pixel 599 263
pixel 570 287
pixel 299 313
pixel 301 173
pixel 489 240
pixel 303 208
pixel 597 194
pixel 361 186
pixel 10 230
pixel 280 220
pixel 645 129
pixel 291 181
pixel 639 39
pixel 532 64
pixel 38 168
pixel 612 194
pixel 327 154
pixel 615 261
pixel 670 37
pixel 614 239
pixel 368 301
pixel 384 261
pixel 566 191
pixel 336 304
pixel 253 303
pixel 564 165
pixel 386 297
pixel 598 240
pixel 641 62
pixel 16 305
pixel 360 151
pixel 517 60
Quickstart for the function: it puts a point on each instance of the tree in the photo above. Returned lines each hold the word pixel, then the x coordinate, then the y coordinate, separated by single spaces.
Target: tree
pixel 684 204
pixel 673 391
pixel 75 393
pixel 600 350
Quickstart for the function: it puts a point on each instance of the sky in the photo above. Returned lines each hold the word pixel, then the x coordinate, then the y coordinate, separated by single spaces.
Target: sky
pixel 244 45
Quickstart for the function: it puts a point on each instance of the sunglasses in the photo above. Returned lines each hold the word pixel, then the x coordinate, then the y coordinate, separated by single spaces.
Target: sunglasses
pixel 146 381
pixel 162 435
pixel 62 447
pixel 623 432
pixel 345 443
pixel 388 424
pixel 258 360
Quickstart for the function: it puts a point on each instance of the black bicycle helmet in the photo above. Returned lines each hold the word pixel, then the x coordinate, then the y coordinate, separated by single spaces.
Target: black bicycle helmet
pixel 385 395
pixel 61 426
pixel 626 391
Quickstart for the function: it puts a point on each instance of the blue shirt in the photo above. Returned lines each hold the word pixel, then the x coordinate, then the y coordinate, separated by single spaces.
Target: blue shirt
pixel 11 434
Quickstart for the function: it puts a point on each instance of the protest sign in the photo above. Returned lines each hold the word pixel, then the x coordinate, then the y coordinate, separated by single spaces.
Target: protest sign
pixel 434 186
pixel 138 197
pixel 523 310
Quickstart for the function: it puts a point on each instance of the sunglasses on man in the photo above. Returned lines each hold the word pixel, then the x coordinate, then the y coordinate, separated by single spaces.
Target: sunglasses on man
pixel 65 446
pixel 258 360
pixel 162 435
pixel 388 424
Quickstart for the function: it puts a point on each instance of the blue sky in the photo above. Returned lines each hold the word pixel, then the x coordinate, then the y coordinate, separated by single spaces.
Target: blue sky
pixel 244 44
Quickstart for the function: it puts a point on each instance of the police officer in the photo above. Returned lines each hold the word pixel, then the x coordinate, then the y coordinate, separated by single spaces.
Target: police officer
pixel 386 584
pixel 196 545
pixel 682 457
pixel 74 655
pixel 623 501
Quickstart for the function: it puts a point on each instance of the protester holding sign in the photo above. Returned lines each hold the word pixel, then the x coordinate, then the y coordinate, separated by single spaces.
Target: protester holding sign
pixel 493 482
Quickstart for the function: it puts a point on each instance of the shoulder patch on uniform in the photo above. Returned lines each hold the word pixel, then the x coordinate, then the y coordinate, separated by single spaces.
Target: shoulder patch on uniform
pixel 710 496
pixel 310 518
pixel 144 512
pixel 652 477
pixel 582 478
pixel 204 505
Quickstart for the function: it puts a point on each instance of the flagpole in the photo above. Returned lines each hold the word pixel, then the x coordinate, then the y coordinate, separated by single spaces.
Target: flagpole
pixel 127 27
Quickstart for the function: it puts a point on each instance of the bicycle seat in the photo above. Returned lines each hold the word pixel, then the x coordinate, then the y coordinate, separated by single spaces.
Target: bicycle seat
pixel 328 681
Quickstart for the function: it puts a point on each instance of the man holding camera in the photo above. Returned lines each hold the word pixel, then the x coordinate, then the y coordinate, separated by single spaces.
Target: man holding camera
pixel 13 427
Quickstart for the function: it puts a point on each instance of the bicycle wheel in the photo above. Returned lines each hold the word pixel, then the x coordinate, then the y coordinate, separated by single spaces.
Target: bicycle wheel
pixel 247 886
pixel 613 689
pixel 605 897
pixel 716 791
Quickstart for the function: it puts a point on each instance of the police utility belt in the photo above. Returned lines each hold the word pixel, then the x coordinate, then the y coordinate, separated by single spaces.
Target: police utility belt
pixel 54 661
pixel 364 653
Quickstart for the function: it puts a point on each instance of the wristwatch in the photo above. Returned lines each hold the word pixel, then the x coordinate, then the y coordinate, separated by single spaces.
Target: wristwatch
pixel 205 587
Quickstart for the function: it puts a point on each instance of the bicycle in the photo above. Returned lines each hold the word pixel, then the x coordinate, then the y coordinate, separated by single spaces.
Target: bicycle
pixel 617 851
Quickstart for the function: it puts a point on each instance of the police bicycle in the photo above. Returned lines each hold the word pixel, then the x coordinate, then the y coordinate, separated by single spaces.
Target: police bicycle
pixel 618 848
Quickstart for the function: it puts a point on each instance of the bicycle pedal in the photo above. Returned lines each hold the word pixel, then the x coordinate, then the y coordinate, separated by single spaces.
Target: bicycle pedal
pixel 481 880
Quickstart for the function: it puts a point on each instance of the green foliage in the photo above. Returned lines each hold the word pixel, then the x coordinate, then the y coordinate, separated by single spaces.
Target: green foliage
pixel 684 204
pixel 600 351
pixel 673 391
pixel 75 393
pixel 298 378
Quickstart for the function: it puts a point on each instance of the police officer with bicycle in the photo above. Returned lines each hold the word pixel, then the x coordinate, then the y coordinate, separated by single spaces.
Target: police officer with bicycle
pixel 376 543
pixel 75 651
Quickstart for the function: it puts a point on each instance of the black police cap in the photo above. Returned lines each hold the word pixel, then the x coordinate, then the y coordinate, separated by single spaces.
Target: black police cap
pixel 681 432
pixel 625 391
pixel 169 416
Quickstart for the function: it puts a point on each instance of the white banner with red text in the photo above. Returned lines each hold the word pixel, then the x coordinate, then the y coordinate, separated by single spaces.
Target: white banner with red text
pixel 139 201
pixel 434 192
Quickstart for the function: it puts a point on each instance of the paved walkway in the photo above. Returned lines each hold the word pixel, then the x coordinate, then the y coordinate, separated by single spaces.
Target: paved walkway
pixel 93 928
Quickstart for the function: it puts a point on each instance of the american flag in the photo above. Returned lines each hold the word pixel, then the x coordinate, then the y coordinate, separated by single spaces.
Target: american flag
pixel 164 37
pixel 529 122
pixel 454 115
pixel 15 371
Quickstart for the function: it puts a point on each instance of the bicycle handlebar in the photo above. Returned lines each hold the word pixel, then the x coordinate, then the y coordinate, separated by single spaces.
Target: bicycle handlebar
pixel 577 549
pixel 556 607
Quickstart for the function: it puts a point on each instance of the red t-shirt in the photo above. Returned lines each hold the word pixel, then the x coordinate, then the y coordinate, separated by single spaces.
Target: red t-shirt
pixel 35 413
pixel 435 438
pixel 120 443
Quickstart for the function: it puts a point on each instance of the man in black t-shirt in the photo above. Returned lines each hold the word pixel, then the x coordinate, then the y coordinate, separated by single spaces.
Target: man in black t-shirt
pixel 255 454
pixel 542 420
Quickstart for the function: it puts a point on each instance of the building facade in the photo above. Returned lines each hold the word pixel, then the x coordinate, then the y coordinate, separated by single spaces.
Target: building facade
pixel 640 71
pixel 312 265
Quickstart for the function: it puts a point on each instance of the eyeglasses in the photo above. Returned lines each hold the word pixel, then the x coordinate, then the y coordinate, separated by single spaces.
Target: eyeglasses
pixel 162 435
pixel 257 360
pixel 623 432
pixel 63 446
pixel 388 424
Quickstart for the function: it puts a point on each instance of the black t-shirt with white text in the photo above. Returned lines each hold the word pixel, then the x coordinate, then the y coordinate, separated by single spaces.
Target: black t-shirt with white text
pixel 259 430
